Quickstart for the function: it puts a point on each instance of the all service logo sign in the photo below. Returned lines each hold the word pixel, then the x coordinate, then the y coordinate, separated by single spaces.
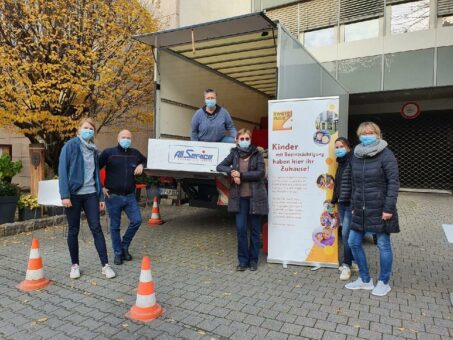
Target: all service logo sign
pixel 282 120
pixel 181 154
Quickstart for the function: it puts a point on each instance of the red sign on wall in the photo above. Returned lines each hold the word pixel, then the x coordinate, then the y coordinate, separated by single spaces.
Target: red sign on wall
pixel 410 110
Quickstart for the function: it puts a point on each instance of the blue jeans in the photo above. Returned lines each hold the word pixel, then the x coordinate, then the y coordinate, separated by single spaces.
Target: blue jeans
pixel 90 205
pixel 115 206
pixel 385 255
pixel 344 213
pixel 247 254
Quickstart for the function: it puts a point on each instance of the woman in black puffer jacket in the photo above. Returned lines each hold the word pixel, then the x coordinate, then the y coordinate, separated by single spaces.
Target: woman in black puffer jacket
pixel 248 196
pixel 342 198
pixel 375 184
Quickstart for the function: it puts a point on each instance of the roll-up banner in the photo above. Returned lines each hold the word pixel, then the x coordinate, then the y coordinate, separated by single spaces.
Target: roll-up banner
pixel 303 224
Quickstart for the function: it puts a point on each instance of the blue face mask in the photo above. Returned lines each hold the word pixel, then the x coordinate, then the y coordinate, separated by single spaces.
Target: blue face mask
pixel 244 144
pixel 87 134
pixel 341 152
pixel 211 103
pixel 367 139
pixel 125 143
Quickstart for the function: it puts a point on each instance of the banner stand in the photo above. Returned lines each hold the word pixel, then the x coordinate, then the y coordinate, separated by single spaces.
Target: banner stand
pixel 303 224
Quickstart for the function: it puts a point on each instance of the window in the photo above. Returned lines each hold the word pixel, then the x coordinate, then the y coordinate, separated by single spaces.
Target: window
pixel 410 17
pixel 447 21
pixel 6 149
pixel 318 38
pixel 361 30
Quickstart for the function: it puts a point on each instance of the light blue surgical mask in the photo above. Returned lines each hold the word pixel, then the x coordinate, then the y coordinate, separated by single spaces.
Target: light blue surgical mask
pixel 341 152
pixel 211 103
pixel 244 144
pixel 86 134
pixel 367 139
pixel 125 143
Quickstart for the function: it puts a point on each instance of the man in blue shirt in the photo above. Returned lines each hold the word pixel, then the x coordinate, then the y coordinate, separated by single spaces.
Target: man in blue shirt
pixel 122 163
pixel 211 122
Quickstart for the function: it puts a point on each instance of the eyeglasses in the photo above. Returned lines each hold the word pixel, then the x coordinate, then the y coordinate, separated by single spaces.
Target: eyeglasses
pixel 244 138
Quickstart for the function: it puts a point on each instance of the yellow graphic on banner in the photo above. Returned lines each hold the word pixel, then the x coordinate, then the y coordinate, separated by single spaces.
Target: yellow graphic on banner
pixel 282 120
pixel 325 238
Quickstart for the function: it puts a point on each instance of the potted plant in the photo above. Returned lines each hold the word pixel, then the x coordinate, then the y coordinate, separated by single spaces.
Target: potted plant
pixel 152 185
pixel 9 193
pixel 28 207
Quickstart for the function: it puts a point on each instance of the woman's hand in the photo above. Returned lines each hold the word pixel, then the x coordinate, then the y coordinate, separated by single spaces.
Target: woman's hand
pixel 235 174
pixel 386 216
pixel 237 180
pixel 106 192
pixel 101 206
pixel 66 203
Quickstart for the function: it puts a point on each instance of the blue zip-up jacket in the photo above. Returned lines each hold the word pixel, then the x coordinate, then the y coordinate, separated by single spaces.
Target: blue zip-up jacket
pixel 211 127
pixel 119 166
pixel 71 170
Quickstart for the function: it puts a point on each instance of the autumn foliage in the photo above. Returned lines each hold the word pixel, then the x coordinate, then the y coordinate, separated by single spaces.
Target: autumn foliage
pixel 62 60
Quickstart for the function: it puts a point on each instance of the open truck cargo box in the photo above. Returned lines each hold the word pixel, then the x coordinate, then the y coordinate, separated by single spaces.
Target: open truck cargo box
pixel 248 60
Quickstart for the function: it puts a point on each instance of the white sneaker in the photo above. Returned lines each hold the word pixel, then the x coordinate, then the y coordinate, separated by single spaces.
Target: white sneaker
pixel 75 272
pixel 108 272
pixel 354 267
pixel 359 284
pixel 345 273
pixel 381 289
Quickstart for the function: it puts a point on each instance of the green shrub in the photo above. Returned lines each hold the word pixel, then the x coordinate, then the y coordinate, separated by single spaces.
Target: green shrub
pixel 8 168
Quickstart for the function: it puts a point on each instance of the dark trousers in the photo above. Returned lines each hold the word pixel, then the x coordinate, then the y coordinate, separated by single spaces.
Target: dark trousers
pixel 115 206
pixel 248 252
pixel 90 205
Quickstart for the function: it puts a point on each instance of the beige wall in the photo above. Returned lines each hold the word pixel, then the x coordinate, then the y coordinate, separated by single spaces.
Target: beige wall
pixel 180 13
pixel 193 12
pixel 20 152
pixel 165 11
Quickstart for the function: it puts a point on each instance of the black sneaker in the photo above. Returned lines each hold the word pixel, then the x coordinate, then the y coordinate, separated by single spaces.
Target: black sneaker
pixel 118 260
pixel 126 256
pixel 253 267
pixel 240 268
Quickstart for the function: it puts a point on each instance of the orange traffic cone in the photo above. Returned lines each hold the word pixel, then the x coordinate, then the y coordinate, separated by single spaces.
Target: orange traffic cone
pixel 34 278
pixel 146 308
pixel 155 215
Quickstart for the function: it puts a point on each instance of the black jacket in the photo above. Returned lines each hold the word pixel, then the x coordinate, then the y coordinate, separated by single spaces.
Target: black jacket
pixel 375 185
pixel 343 181
pixel 119 166
pixel 255 175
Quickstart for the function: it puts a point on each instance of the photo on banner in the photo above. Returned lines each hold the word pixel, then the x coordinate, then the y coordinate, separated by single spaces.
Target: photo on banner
pixel 303 224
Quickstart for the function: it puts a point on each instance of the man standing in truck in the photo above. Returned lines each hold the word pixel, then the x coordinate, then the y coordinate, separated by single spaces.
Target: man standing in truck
pixel 211 122
pixel 122 163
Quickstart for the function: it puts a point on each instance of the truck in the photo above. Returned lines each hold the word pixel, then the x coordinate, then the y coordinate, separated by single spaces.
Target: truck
pixel 248 60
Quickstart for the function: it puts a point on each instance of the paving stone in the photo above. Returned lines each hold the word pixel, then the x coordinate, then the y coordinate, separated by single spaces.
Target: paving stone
pixel 312 333
pixel 333 336
pixel 291 329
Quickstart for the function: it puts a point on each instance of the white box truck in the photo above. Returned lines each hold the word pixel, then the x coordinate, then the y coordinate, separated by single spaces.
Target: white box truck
pixel 248 60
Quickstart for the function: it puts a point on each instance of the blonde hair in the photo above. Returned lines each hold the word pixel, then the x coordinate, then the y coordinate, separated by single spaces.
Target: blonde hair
pixel 244 131
pixel 89 121
pixel 373 126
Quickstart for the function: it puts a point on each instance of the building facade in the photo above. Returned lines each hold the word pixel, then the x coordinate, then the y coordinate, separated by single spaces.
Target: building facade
pixel 395 57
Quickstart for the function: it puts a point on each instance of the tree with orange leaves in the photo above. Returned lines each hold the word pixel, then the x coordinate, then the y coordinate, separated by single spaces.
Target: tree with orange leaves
pixel 61 61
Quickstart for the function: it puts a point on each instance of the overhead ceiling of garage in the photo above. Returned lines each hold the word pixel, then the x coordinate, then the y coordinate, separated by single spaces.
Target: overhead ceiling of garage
pixel 242 48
